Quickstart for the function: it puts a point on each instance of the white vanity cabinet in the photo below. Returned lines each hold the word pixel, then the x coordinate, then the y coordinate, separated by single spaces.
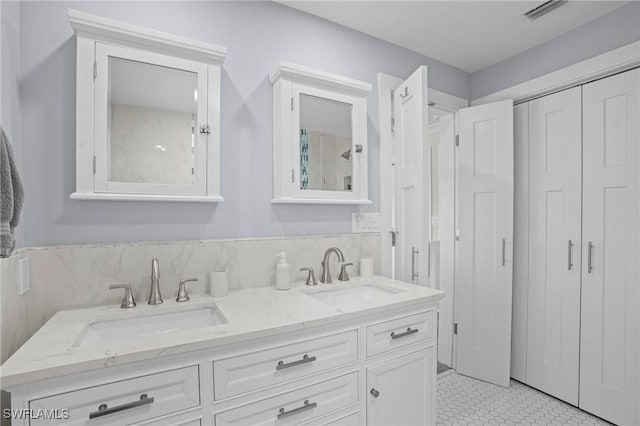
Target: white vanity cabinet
pixel 373 369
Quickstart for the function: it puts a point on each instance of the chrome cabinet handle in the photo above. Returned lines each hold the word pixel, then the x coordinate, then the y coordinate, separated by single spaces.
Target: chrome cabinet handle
pixel 374 392
pixel 589 252
pixel 307 406
pixel 570 256
pixel 305 360
pixel 404 333
pixel 103 410
pixel 414 253
pixel 504 259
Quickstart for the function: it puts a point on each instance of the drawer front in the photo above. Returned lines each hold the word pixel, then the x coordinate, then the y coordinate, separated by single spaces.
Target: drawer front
pixel 399 333
pixel 296 407
pixel 342 420
pixel 255 370
pixel 123 402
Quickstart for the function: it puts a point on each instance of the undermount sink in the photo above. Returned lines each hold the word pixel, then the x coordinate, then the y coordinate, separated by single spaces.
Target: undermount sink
pixel 149 325
pixel 365 293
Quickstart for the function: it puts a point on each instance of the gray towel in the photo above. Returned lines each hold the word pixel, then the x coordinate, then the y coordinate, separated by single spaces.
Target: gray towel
pixel 11 196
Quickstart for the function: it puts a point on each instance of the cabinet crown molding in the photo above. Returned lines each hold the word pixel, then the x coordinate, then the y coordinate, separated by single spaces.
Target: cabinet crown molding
pixel 306 75
pixel 105 29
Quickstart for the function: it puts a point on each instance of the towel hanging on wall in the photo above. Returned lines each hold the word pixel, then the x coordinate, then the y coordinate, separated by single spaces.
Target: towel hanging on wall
pixel 11 196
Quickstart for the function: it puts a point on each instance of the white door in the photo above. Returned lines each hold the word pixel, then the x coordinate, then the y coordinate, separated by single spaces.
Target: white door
pixel 484 262
pixel 400 391
pixel 609 356
pixel 411 179
pixel 555 184
pixel 446 235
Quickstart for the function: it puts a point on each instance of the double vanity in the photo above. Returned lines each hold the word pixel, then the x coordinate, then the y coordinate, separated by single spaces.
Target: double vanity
pixel 349 353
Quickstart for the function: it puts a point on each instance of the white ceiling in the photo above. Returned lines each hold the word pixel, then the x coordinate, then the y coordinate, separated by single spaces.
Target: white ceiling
pixel 470 35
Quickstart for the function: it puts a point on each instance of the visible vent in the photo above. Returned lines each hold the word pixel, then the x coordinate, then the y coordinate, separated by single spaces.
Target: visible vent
pixel 544 8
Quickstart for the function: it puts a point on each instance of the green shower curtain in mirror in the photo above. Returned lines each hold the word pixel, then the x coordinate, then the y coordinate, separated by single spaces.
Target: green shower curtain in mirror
pixel 304 159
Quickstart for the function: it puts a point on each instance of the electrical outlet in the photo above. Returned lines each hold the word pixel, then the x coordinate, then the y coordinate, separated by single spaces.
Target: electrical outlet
pixel 24 283
pixel 362 223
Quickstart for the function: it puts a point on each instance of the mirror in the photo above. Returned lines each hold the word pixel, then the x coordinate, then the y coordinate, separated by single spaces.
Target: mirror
pixel 151 123
pixel 325 144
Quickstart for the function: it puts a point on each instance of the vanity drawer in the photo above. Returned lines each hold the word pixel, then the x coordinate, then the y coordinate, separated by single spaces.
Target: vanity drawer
pixel 246 372
pixel 166 393
pixel 296 407
pixel 399 332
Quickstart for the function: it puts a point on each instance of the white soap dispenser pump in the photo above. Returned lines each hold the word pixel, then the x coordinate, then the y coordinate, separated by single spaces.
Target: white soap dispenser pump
pixel 283 274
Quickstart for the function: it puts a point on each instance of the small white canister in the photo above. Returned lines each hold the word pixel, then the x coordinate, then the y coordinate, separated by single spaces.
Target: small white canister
pixel 219 282
pixel 366 267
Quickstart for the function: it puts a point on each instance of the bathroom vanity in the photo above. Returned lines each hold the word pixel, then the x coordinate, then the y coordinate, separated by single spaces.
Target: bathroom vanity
pixel 362 352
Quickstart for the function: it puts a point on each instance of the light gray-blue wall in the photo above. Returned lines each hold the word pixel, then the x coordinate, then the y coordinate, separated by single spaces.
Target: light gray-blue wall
pixel 257 35
pixel 9 84
pixel 616 29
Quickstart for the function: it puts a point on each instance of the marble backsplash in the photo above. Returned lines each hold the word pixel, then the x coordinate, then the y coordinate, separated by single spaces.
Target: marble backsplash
pixel 70 277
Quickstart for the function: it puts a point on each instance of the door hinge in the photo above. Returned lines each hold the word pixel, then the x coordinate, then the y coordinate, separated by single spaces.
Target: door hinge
pixel 292 176
pixel 457 140
pixel 205 129
pixel 393 124
pixel 292 103
pixel 455 328
pixel 94 164
pixel 394 235
pixel 95 70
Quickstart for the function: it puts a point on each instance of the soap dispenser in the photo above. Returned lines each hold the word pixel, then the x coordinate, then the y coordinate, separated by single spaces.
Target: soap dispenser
pixel 283 275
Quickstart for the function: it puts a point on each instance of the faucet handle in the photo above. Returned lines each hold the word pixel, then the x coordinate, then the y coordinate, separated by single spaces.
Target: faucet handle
pixel 343 271
pixel 183 296
pixel 311 277
pixel 128 301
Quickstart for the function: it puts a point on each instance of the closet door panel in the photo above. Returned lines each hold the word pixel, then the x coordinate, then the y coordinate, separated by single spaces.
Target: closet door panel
pixel 609 363
pixel 520 243
pixel 555 160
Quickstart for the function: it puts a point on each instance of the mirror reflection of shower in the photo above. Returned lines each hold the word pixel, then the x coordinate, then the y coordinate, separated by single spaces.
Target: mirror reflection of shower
pixel 326 163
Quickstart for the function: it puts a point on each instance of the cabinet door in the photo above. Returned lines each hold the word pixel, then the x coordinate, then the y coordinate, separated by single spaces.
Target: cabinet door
pixel 401 391
pixel 610 233
pixel 555 161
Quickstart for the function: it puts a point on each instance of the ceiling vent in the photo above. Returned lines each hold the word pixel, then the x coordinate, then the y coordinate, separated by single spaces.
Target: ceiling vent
pixel 544 8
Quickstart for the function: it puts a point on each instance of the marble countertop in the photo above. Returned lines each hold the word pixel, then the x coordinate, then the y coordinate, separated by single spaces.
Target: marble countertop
pixel 251 313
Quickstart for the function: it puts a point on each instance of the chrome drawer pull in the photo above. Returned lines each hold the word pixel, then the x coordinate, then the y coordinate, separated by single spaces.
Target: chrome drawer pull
pixel 405 333
pixel 305 407
pixel 103 410
pixel 305 359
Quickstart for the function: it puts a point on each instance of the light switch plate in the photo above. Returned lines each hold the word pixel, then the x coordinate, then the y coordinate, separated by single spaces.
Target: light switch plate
pixel 24 283
pixel 362 223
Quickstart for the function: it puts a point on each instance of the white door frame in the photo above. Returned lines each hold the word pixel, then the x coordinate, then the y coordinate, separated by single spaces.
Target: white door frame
pixel 386 85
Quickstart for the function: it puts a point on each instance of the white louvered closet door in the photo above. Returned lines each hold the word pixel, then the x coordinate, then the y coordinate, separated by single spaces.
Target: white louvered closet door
pixel 555 161
pixel 609 355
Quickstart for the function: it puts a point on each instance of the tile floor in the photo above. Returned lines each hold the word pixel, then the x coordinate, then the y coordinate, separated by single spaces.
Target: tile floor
pixel 466 401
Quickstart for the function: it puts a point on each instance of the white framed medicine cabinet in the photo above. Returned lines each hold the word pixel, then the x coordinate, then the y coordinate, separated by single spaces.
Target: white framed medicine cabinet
pixel 319 137
pixel 147 113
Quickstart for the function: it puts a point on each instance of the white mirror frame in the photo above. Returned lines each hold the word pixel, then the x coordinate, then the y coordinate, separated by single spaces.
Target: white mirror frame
pixel 92 31
pixel 289 82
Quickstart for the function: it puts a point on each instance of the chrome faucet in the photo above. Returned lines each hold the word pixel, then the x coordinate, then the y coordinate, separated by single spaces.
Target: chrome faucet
pixel 326 273
pixel 155 298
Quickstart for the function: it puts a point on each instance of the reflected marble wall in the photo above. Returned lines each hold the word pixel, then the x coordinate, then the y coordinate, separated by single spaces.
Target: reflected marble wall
pixel 150 145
